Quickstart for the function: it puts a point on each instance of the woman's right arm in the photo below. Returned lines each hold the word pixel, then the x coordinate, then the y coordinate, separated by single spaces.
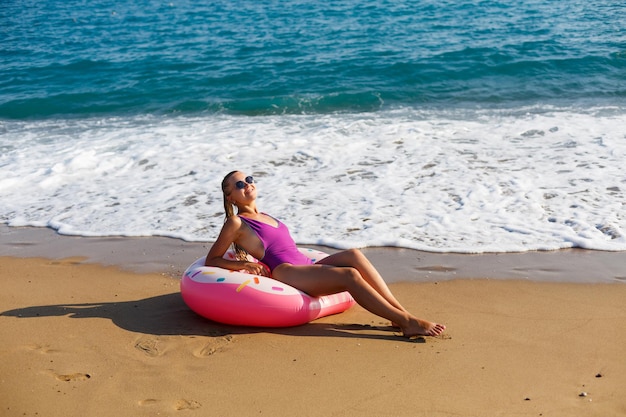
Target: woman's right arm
pixel 229 234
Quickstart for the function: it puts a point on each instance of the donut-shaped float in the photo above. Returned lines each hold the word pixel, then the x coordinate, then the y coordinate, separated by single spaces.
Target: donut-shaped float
pixel 243 299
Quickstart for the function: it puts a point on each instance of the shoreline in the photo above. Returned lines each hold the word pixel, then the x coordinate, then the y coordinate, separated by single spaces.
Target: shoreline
pixel 172 256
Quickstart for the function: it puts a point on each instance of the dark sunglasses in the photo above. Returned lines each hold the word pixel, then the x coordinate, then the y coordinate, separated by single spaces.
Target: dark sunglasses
pixel 242 184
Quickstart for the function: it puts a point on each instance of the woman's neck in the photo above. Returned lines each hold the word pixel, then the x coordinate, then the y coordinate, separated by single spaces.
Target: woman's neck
pixel 250 210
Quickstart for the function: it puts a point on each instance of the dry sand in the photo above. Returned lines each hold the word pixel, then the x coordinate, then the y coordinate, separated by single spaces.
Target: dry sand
pixel 83 339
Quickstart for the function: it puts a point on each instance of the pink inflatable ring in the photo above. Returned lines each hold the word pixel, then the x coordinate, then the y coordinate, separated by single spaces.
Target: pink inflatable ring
pixel 243 299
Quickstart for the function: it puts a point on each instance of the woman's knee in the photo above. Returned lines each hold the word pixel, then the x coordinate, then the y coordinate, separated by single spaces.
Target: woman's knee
pixel 355 255
pixel 351 277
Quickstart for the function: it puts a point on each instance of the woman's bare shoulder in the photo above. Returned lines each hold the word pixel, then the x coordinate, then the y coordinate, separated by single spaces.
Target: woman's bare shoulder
pixel 232 223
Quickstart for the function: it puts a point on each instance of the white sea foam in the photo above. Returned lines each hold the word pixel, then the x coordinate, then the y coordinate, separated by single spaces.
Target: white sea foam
pixel 438 181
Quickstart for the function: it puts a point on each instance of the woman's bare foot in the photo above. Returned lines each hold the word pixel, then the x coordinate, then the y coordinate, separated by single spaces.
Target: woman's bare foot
pixel 419 327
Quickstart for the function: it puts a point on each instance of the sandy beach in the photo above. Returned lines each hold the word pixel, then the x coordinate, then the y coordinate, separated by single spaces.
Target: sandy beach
pixel 96 327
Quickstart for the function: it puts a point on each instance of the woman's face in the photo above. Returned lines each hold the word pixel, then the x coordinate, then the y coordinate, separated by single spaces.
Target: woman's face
pixel 241 188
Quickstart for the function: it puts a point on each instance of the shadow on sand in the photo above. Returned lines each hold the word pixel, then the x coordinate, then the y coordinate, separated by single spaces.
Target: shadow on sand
pixel 168 315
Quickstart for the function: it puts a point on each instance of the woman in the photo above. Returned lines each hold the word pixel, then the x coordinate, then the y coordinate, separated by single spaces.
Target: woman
pixel 267 239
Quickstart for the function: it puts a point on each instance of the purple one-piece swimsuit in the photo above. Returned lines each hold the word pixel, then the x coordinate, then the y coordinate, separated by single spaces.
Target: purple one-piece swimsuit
pixel 278 244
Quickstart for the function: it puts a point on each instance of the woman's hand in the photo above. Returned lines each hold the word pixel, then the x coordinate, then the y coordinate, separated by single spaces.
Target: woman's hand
pixel 256 268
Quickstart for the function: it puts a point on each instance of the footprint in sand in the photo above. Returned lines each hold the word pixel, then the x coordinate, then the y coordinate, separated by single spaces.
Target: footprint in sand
pixel 214 346
pixel 181 404
pixel 78 376
pixel 187 405
pixel 43 349
pixel 148 346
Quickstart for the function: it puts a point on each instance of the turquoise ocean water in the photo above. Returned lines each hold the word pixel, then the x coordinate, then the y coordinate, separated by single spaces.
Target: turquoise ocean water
pixel 81 58
pixel 494 125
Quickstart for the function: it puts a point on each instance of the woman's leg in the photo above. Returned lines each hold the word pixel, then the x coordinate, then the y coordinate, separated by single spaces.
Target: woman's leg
pixel 318 280
pixel 356 259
